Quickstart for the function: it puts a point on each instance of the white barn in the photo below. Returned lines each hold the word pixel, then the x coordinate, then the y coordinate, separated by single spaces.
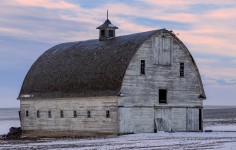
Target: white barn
pixel 138 83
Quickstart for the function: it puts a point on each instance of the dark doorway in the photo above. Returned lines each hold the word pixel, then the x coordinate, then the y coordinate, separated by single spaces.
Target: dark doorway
pixel 200 119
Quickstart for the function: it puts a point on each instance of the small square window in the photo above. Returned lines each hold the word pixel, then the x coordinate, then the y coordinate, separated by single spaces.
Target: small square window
pixel 38 114
pixel 27 113
pixel 75 114
pixel 162 96
pixel 107 113
pixel 62 114
pixel 88 114
pixel 49 114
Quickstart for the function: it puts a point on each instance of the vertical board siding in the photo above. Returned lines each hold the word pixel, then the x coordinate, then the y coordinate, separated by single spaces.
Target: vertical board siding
pixel 165 116
pixel 192 119
pixel 126 120
pixel 143 120
pixel 178 119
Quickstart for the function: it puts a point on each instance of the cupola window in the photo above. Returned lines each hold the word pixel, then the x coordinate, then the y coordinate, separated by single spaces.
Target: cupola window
pixel 102 33
pixel 111 34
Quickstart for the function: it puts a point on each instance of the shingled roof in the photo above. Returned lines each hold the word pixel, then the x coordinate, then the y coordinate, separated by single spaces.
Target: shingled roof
pixel 85 68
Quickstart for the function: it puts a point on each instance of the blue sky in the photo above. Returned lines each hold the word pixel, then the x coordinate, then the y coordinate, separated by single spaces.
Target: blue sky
pixel 28 28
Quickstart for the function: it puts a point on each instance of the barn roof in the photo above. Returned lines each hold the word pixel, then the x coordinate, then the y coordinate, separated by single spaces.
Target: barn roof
pixel 84 68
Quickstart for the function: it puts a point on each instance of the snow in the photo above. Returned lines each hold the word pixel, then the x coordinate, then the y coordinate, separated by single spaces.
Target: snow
pixel 111 25
pixel 230 127
pixel 26 95
pixel 163 140
pixel 5 125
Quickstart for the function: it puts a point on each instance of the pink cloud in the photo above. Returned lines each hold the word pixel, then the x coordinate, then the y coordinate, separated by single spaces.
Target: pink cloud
pixel 53 4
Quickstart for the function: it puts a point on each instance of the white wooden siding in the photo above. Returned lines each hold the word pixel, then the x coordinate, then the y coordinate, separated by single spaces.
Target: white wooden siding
pixel 178 119
pixel 165 116
pixel 192 119
pixel 126 120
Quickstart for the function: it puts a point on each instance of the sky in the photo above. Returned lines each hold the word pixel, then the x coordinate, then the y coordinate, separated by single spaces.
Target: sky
pixel 207 27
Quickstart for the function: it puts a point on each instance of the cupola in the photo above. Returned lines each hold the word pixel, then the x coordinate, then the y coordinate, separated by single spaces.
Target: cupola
pixel 106 30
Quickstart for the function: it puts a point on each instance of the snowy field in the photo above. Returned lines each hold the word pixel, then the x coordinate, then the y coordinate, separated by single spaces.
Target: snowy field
pixel 161 140
pixel 221 121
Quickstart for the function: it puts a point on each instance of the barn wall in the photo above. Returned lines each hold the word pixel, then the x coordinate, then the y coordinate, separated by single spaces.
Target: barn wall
pixel 98 124
pixel 161 72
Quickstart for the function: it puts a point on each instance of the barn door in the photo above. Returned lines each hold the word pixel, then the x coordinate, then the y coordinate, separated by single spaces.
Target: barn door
pixel 126 120
pixel 163 119
pixel 193 119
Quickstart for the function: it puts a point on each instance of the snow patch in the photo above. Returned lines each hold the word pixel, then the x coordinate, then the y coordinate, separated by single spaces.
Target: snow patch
pixel 26 95
pixel 111 25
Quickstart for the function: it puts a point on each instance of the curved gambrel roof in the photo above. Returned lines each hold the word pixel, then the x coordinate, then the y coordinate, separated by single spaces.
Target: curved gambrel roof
pixel 85 68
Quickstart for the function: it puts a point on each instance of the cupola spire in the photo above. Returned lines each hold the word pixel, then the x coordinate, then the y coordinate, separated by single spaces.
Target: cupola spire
pixel 106 30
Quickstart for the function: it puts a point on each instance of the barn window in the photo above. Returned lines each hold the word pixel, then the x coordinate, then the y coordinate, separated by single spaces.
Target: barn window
pixel 107 113
pixel 162 96
pixel 181 70
pixel 27 113
pixel 75 114
pixel 111 33
pixel 62 114
pixel 88 114
pixel 38 114
pixel 102 33
pixel 49 114
pixel 142 67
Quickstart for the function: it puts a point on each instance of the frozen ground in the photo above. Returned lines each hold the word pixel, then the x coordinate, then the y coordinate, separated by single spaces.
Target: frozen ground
pixel 161 140
pixel 214 119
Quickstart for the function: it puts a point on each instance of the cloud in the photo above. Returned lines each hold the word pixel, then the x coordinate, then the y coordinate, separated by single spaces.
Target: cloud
pixel 206 27
pixel 51 4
